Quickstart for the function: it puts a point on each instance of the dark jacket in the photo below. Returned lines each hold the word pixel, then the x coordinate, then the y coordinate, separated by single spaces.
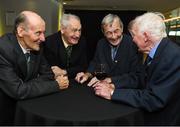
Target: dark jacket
pixel 55 53
pixel 161 93
pixel 126 65
pixel 14 80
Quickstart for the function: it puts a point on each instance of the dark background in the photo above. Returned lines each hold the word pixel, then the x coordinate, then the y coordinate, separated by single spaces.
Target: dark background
pixel 91 24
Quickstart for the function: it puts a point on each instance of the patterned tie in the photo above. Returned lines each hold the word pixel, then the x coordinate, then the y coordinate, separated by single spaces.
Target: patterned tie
pixel 148 60
pixel 27 55
pixel 113 51
pixel 68 51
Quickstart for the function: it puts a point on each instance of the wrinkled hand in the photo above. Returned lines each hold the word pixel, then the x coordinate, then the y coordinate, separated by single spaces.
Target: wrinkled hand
pixel 63 82
pixel 58 71
pixel 108 79
pixel 93 81
pixel 104 89
pixel 82 77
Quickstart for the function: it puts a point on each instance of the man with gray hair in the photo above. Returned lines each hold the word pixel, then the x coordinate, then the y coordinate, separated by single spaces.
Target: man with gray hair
pixel 160 93
pixel 116 52
pixel 66 50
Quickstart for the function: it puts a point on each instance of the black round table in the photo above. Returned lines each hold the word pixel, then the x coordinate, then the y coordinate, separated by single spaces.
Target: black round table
pixel 77 105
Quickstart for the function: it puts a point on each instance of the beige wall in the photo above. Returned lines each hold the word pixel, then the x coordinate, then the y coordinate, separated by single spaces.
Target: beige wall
pixel 48 9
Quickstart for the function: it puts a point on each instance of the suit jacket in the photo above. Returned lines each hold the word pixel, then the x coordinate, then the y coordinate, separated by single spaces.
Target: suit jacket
pixel 161 93
pixel 14 80
pixel 126 65
pixel 55 53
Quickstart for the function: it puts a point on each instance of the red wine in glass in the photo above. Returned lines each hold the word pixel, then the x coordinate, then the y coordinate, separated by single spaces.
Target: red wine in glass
pixel 100 71
pixel 100 75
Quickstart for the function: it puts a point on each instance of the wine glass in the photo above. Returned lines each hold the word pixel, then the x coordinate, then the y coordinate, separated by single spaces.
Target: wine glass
pixel 100 71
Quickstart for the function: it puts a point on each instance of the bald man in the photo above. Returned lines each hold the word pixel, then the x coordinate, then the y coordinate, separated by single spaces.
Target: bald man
pixel 24 77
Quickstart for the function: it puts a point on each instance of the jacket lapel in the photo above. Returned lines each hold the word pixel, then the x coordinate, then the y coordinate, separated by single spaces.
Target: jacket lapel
pixel 119 55
pixel 61 50
pixel 157 56
pixel 32 65
pixel 107 54
pixel 21 60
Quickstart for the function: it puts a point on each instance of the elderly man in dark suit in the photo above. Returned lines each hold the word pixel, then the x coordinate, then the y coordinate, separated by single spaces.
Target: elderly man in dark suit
pixel 66 50
pixel 160 94
pixel 24 76
pixel 116 51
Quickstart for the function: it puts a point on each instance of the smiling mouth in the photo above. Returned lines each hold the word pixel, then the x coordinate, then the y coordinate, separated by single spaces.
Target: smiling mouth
pixel 38 42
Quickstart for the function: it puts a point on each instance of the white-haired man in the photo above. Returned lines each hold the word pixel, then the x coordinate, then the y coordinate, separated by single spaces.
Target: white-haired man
pixel 160 93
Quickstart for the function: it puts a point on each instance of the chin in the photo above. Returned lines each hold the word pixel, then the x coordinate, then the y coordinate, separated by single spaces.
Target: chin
pixel 114 44
pixel 36 48
pixel 74 42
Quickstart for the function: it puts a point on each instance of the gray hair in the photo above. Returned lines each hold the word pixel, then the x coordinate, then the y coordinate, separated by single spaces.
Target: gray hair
pixel 108 19
pixel 66 18
pixel 153 23
pixel 21 18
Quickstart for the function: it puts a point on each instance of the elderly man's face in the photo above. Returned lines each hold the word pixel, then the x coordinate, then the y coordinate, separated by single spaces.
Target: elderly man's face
pixel 31 34
pixel 34 36
pixel 72 33
pixel 141 39
pixel 113 32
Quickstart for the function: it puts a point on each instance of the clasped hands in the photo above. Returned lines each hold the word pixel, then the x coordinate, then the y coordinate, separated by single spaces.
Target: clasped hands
pixel 61 77
pixel 103 88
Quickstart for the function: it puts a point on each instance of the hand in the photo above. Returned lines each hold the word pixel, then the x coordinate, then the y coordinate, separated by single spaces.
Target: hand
pixel 58 71
pixel 104 89
pixel 62 81
pixel 93 81
pixel 82 77
pixel 108 80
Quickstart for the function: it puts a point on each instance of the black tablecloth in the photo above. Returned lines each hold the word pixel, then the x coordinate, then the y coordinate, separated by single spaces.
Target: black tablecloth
pixel 77 105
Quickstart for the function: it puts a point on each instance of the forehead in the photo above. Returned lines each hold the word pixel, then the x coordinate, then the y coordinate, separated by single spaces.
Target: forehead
pixel 37 25
pixel 112 26
pixel 74 23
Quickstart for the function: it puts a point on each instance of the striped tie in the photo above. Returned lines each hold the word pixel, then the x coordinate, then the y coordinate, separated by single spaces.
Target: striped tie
pixel 27 55
pixel 147 61
pixel 68 51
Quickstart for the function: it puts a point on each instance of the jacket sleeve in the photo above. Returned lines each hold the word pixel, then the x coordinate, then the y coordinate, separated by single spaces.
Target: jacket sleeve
pixel 160 89
pixel 81 63
pixel 134 78
pixel 17 88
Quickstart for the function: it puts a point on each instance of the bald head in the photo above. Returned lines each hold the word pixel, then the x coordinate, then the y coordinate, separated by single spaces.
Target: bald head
pixel 27 18
pixel 29 30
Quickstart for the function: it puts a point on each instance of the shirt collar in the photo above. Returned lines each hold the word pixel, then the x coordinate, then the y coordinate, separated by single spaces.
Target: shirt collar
pixel 64 42
pixel 153 50
pixel 23 49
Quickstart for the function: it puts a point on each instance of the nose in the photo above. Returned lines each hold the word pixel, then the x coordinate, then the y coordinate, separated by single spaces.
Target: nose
pixel 114 35
pixel 42 37
pixel 77 33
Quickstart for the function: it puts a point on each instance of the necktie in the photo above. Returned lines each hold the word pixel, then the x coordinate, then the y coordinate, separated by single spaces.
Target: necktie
pixel 27 55
pixel 68 51
pixel 113 51
pixel 147 61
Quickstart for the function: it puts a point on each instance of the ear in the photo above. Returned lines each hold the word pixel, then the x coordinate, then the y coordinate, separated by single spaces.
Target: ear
pixel 20 31
pixel 146 36
pixel 62 29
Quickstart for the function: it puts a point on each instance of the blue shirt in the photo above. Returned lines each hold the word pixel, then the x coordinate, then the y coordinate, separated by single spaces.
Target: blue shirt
pixel 153 50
